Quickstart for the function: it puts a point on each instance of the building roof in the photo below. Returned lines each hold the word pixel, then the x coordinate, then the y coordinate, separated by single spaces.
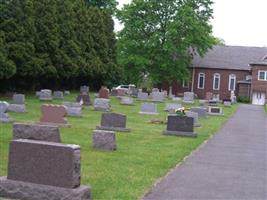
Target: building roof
pixel 230 57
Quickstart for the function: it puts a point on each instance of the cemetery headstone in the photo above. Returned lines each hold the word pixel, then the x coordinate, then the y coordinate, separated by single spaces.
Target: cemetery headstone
pixel 43 170
pixel 104 140
pixel 188 97
pixel 54 114
pixel 36 132
pixel 45 95
pixel 171 107
pixel 58 95
pixel 83 99
pixel 149 109
pixel 176 98
pixel 84 89
pixel 233 97
pixel 18 99
pixel 4 117
pixel 180 126
pixel 216 97
pixel 134 92
pixel 113 122
pixel 157 96
pixel 142 96
pixel 102 104
pixel 103 93
pixel 66 92
pixel 73 109
pixel 19 108
pixel 155 90
pixel 214 110
pixel 127 101
pixel 194 115
pixel 227 103
pixel 202 112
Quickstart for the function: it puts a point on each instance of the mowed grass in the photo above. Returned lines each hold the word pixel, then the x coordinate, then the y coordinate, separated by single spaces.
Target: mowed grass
pixel 142 156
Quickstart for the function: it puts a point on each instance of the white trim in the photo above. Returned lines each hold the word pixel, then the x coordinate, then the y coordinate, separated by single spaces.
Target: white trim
pixel 198 80
pixel 231 76
pixel 185 84
pixel 265 75
pixel 216 75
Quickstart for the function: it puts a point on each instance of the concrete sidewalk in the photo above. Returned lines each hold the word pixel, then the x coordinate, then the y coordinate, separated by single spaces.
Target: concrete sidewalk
pixel 231 165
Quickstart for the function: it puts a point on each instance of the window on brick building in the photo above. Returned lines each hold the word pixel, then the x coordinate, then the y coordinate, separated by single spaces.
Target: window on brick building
pixel 262 75
pixel 232 82
pixel 216 81
pixel 201 81
pixel 185 84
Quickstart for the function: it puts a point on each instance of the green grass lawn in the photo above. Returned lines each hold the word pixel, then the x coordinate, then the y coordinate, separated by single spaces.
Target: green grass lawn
pixel 265 108
pixel 142 156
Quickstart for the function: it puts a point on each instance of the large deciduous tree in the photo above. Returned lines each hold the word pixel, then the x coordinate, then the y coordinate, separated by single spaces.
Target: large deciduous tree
pixel 160 37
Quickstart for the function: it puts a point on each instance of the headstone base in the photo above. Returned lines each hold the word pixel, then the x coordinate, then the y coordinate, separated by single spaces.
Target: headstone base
pixel 119 129
pixel 30 191
pixel 55 124
pixel 216 114
pixel 19 108
pixel 189 102
pixel 180 133
pixel 148 113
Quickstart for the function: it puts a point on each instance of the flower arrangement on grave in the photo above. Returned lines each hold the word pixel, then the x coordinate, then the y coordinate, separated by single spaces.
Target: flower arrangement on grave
pixel 180 111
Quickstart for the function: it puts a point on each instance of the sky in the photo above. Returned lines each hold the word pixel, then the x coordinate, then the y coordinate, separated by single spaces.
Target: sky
pixel 237 22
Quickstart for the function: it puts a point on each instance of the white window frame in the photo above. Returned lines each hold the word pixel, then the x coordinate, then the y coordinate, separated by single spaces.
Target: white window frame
pixel 185 84
pixel 198 80
pixel 265 75
pixel 231 76
pixel 216 75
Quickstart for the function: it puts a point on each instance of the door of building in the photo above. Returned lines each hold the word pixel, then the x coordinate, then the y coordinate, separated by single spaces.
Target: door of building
pixel 258 98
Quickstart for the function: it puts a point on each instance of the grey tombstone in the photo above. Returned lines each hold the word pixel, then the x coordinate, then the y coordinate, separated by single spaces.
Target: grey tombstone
pixel 104 140
pixel 157 96
pixel 176 98
pixel 66 92
pixel 4 117
pixel 134 92
pixel 214 110
pixel 201 111
pixel 36 132
pixel 149 109
pixel 113 122
pixel 227 103
pixel 45 95
pixel 155 90
pixel 58 95
pixel 18 99
pixel 127 101
pixel 73 109
pixel 84 89
pixel 142 96
pixel 43 170
pixel 180 126
pixel 171 107
pixel 194 115
pixel 188 97
pixel 101 104
pixel 19 108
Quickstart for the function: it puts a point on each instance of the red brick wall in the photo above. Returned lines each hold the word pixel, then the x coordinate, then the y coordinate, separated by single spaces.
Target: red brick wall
pixel 258 85
pixel 224 81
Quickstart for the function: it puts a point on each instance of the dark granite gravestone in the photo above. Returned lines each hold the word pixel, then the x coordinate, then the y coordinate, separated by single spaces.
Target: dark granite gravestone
pixel 113 122
pixel 212 110
pixel 18 99
pixel 149 109
pixel 102 104
pixel 73 109
pixel 103 93
pixel 54 114
pixel 36 132
pixel 202 112
pixel 83 99
pixel 105 140
pixel 127 101
pixel 188 97
pixel 4 117
pixel 84 89
pixel 180 126
pixel 142 96
pixel 58 95
pixel 43 170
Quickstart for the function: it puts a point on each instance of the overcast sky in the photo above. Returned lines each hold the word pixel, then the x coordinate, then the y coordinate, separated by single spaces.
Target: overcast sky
pixel 237 22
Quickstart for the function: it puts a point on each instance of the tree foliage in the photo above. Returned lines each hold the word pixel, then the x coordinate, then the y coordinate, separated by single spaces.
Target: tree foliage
pixel 55 43
pixel 160 37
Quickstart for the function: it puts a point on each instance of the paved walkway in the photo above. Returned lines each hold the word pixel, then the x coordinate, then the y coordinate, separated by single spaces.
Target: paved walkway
pixel 231 166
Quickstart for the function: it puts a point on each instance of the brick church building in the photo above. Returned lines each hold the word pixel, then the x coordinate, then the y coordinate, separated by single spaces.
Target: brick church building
pixel 228 68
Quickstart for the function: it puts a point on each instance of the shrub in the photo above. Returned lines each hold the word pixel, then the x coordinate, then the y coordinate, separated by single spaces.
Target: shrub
pixel 243 99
